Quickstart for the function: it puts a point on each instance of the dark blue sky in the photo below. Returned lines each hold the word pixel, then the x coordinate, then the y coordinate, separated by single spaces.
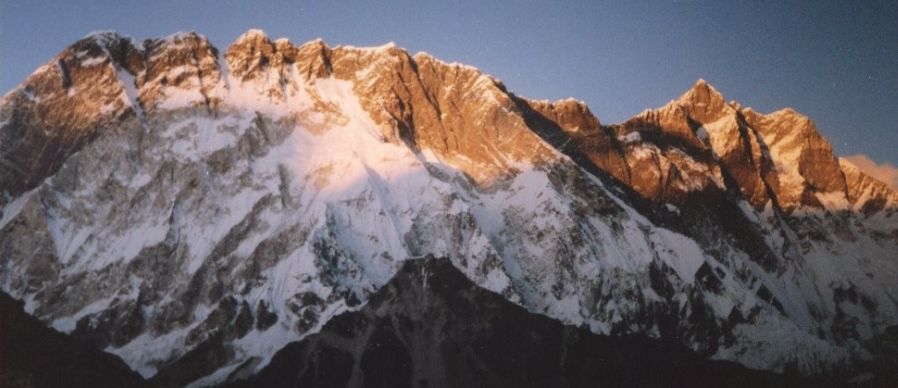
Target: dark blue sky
pixel 836 62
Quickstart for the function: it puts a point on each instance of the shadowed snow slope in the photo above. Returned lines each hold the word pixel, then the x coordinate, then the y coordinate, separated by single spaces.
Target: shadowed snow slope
pixel 170 203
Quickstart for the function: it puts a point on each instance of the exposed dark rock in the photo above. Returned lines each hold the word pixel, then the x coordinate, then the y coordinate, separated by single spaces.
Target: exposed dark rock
pixel 202 360
pixel 431 327
pixel 32 355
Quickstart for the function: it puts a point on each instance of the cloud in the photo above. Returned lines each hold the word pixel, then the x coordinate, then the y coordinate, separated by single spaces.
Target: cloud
pixel 884 172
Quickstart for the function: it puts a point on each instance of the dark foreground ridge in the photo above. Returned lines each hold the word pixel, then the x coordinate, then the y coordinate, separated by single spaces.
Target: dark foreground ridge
pixel 32 355
pixel 431 327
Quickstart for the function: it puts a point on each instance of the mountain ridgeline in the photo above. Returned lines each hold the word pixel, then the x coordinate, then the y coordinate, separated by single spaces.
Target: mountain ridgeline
pixel 471 337
pixel 194 211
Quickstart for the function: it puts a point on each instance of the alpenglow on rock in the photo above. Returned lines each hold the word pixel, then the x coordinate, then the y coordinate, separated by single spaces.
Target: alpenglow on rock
pixel 163 200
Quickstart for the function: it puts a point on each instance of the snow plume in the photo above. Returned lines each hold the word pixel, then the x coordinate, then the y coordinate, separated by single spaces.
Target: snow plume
pixel 884 172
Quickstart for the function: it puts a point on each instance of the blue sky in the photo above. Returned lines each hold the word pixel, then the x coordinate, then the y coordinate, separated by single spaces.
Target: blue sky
pixel 834 61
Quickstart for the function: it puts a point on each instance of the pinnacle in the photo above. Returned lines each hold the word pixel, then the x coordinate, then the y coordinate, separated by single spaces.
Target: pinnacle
pixel 702 91
pixel 104 39
pixel 315 43
pixel 253 34
pixel 787 111
pixel 705 102
pixel 250 40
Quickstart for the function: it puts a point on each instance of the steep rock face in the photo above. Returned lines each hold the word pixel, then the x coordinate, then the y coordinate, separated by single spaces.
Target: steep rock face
pixel 867 194
pixel 179 70
pixel 703 141
pixel 451 110
pixel 803 158
pixel 63 105
pixel 90 87
pixel 239 202
pixel 480 121
pixel 780 157
pixel 569 125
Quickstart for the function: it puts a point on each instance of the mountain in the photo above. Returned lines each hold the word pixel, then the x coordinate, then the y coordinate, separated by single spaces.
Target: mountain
pixel 475 338
pixel 32 355
pixel 175 205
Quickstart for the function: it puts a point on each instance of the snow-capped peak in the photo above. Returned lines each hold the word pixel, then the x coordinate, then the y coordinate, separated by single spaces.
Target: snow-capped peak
pixel 252 34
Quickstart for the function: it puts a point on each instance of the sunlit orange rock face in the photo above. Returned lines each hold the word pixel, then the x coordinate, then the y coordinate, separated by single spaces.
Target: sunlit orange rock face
pixel 696 143
pixel 866 194
pixel 81 93
pixel 710 132
pixel 570 125
pixel 801 149
pixel 59 108
pixel 457 112
pixel 700 142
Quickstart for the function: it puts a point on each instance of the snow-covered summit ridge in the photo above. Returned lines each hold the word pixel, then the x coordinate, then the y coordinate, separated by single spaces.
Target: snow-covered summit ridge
pixel 203 79
pixel 189 72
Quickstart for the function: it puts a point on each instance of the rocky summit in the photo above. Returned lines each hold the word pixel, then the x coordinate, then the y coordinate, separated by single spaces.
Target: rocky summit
pixel 192 211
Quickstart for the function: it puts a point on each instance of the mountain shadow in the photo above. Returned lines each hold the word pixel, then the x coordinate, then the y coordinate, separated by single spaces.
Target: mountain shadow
pixel 432 327
pixel 33 355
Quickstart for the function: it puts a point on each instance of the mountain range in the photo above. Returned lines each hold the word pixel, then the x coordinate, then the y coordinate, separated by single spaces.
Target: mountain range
pixel 193 211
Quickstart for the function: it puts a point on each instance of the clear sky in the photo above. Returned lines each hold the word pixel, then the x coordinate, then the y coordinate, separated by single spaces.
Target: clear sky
pixel 836 62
